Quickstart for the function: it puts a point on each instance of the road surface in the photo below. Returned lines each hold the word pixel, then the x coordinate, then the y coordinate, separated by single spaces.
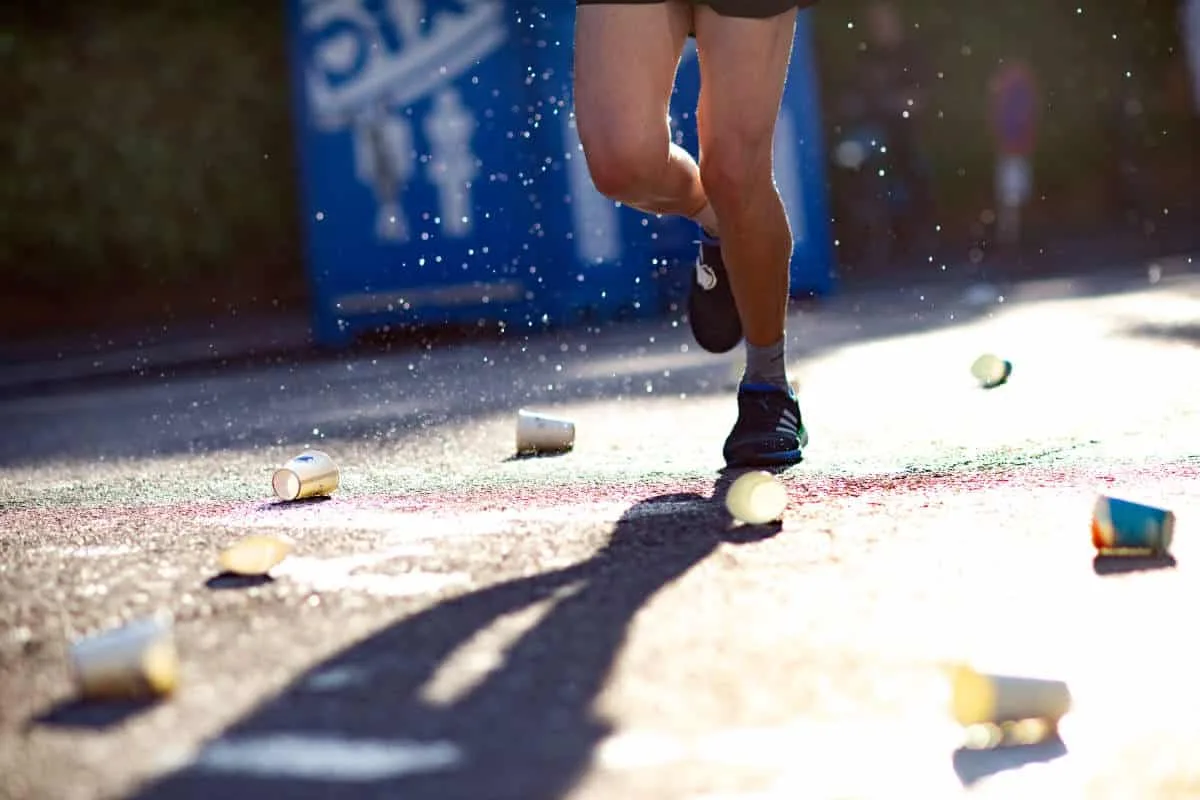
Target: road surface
pixel 459 623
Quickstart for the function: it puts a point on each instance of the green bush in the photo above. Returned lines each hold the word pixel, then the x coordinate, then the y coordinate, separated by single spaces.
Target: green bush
pixel 148 144
pixel 153 145
pixel 1086 56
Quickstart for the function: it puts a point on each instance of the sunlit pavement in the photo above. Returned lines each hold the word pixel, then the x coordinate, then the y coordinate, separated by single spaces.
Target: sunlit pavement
pixel 457 623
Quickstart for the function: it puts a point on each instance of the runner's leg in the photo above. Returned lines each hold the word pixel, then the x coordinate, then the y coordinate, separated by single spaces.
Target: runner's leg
pixel 743 68
pixel 626 55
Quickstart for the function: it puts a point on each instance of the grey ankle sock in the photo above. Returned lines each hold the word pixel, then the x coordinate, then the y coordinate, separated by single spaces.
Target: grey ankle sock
pixel 765 365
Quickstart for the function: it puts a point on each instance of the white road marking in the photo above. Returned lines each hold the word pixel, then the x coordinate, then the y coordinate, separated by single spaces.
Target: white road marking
pixel 409 534
pixel 869 758
pixel 812 758
pixel 415 526
pixel 343 574
pixel 327 758
pixel 630 750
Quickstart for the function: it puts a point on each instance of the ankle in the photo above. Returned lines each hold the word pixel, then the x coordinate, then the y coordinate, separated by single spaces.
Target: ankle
pixel 765 366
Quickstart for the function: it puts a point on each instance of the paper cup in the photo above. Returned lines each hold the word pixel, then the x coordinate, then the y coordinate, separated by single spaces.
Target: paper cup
pixel 756 498
pixel 310 474
pixel 1121 527
pixel 992 699
pixel 255 555
pixel 540 433
pixel 991 370
pixel 135 661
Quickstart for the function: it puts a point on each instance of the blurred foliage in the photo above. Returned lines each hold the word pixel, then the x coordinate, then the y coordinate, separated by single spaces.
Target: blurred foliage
pixel 152 144
pixel 147 143
pixel 1089 58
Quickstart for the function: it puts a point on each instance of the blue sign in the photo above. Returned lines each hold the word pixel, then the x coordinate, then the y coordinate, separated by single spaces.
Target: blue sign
pixel 443 180
pixel 622 257
pixel 442 177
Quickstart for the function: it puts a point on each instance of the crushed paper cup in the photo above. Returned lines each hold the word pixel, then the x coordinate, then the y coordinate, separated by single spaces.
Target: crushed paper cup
pixel 255 555
pixel 541 433
pixel 980 699
pixel 310 474
pixel 135 661
pixel 991 370
pixel 1122 527
pixel 756 498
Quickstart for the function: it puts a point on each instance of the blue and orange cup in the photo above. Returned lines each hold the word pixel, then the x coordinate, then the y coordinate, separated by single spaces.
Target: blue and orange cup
pixel 1122 527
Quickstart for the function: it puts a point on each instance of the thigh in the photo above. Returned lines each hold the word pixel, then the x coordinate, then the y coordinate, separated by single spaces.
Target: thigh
pixel 743 69
pixel 626 55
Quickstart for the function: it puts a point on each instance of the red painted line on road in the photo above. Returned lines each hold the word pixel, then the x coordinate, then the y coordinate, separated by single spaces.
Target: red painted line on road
pixel 802 487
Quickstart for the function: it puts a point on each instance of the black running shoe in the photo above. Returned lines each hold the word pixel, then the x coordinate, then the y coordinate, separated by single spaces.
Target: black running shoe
pixel 769 431
pixel 711 311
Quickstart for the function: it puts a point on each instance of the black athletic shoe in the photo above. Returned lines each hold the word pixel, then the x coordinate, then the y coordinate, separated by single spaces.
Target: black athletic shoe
pixel 768 432
pixel 711 310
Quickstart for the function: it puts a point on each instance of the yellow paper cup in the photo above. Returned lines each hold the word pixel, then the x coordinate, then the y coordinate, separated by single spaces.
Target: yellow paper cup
pixel 310 474
pixel 138 660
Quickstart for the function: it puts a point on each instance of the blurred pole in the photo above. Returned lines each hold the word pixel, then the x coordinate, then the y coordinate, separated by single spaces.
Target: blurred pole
pixel 1014 115
pixel 1189 32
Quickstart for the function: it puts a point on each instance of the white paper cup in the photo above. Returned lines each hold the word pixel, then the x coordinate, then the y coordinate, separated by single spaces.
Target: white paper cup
pixel 983 699
pixel 310 474
pixel 134 661
pixel 756 498
pixel 991 370
pixel 541 433
pixel 255 555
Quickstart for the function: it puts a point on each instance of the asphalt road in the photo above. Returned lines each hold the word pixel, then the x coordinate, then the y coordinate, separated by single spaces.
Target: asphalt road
pixel 458 623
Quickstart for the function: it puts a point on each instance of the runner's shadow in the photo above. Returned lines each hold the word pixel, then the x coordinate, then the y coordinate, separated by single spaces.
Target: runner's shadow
pixel 422 721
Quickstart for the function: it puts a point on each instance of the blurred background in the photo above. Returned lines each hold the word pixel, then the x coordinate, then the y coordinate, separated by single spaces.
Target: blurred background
pixel 152 171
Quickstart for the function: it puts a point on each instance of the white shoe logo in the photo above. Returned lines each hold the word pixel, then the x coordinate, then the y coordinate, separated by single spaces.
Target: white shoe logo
pixel 706 277
pixel 788 424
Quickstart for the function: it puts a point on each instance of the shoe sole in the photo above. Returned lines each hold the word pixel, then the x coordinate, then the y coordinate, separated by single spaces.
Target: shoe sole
pixel 783 459
pixel 730 335
pixel 705 343
pixel 780 458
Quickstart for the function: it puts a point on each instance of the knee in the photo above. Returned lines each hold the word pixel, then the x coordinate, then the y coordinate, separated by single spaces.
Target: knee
pixel 624 166
pixel 735 170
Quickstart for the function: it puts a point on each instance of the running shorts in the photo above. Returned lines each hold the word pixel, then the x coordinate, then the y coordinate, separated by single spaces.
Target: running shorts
pixel 754 9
